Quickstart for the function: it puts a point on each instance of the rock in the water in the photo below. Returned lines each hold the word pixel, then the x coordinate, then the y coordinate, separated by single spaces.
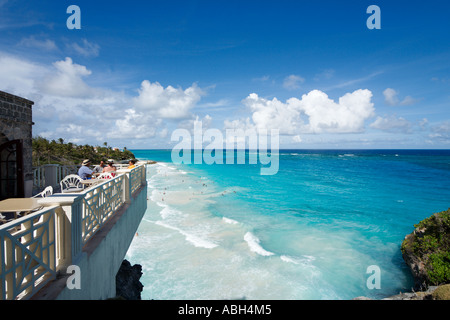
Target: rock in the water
pixel 128 285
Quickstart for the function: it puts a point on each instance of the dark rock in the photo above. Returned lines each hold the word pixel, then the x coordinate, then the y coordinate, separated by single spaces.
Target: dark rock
pixel 128 285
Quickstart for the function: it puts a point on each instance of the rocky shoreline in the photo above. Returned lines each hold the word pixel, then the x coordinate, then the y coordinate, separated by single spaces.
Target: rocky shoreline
pixel 128 286
pixel 427 253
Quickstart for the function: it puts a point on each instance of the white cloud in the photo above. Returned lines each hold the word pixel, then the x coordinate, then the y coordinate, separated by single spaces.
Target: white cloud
pixel 346 116
pixel 32 42
pixel 135 124
pixel 67 106
pixel 17 76
pixel 442 127
pixel 408 100
pixel 293 82
pixel 315 112
pixel 67 80
pixel 392 124
pixel 167 103
pixel 190 124
pixel 274 114
pixel 354 82
pixel 85 48
pixel 391 98
pixel 239 124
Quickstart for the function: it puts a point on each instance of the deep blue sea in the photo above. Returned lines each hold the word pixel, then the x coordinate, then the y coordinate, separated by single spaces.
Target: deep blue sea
pixel 310 231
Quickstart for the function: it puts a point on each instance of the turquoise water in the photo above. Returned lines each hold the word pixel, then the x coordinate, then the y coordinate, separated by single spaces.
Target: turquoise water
pixel 308 232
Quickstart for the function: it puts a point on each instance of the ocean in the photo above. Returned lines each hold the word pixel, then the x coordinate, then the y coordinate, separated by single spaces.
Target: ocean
pixel 312 231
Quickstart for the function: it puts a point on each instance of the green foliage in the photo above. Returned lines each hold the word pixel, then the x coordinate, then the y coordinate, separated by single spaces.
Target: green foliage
pixel 431 244
pixel 53 152
pixel 439 267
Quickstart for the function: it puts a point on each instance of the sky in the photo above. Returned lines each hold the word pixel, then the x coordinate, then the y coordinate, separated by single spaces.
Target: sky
pixel 138 70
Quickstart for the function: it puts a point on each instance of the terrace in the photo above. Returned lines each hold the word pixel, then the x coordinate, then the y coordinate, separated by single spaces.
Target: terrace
pixel 91 230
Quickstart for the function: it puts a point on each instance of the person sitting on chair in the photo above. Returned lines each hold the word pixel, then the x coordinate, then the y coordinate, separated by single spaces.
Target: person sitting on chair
pixel 99 169
pixel 131 164
pixel 110 168
pixel 84 172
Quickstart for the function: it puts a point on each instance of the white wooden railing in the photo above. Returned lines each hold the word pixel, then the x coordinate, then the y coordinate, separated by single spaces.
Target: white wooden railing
pixel 51 175
pixel 28 252
pixel 99 204
pixel 35 247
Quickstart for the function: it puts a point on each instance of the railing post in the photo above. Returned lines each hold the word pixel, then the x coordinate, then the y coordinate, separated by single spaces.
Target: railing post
pixel 127 188
pixel 144 175
pixel 68 228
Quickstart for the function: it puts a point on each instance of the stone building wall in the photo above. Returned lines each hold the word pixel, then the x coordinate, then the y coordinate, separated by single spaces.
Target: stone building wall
pixel 16 123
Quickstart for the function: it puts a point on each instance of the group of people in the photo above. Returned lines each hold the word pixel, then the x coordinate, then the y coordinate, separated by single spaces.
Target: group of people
pixel 87 173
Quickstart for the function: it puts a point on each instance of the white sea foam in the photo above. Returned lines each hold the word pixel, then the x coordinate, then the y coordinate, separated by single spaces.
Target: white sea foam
pixel 230 221
pixel 297 260
pixel 168 212
pixel 289 259
pixel 253 243
pixel 194 239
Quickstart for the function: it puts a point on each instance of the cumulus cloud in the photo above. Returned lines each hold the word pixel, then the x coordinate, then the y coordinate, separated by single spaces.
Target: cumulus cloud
pixel 167 103
pixel 293 82
pixel 315 112
pixel 67 80
pixel 196 123
pixel 134 124
pixel 67 106
pixel 346 116
pixel 391 98
pixel 274 114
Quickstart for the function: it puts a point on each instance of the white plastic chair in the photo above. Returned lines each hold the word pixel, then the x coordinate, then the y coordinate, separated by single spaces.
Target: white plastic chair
pixel 47 192
pixel 71 183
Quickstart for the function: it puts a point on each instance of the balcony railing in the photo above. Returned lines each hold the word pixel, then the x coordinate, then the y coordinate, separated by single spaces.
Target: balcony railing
pixel 52 174
pixel 35 247
pixel 28 251
pixel 100 203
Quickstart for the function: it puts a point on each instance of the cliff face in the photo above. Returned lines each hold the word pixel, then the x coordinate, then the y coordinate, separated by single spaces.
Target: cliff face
pixel 128 286
pixel 427 251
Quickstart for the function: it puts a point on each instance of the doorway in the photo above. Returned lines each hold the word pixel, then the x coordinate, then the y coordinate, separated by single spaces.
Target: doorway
pixel 11 170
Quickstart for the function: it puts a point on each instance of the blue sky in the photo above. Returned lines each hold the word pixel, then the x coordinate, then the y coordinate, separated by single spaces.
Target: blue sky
pixel 137 70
